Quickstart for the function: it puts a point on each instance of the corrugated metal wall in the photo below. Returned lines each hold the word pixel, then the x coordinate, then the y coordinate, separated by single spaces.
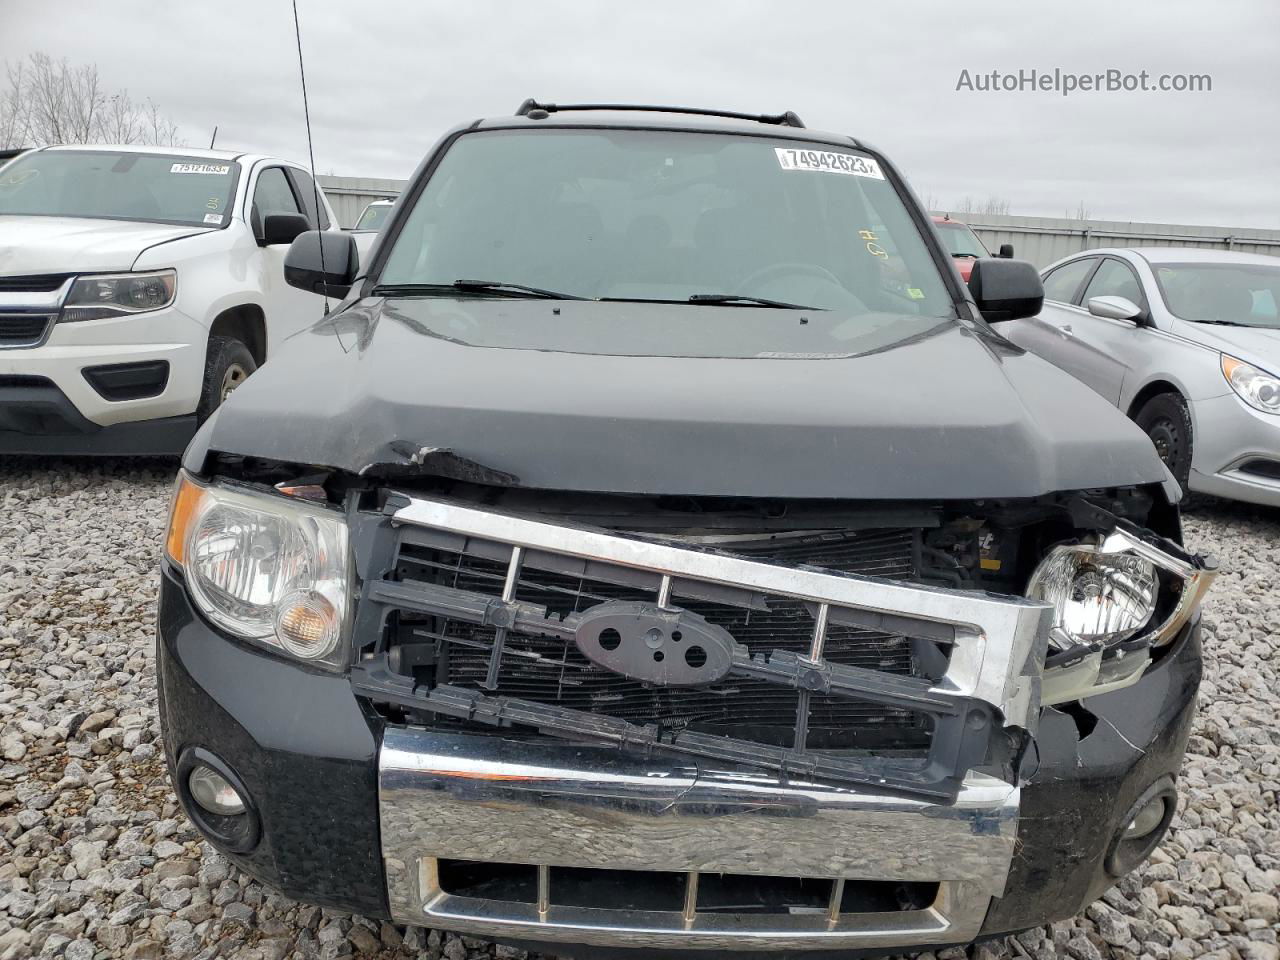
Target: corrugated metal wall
pixel 350 195
pixel 1041 240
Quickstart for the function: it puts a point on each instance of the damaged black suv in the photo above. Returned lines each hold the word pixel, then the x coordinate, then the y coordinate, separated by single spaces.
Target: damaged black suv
pixel 658 548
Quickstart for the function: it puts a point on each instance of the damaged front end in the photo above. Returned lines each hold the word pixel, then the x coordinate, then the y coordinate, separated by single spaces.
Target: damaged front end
pixel 871 673
pixel 712 723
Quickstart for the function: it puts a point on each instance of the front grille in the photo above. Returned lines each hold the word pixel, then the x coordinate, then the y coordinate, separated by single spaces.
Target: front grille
pixel 40 283
pixel 551 670
pixel 23 329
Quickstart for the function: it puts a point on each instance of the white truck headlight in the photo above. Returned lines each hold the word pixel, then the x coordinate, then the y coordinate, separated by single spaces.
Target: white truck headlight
pixel 96 297
pixel 1255 387
pixel 264 567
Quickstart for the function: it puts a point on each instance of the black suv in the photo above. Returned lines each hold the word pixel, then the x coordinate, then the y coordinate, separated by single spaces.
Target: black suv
pixel 657 548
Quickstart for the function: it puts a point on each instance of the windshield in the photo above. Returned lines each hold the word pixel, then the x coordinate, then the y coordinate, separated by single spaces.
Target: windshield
pixel 119 185
pixel 1243 294
pixel 374 216
pixel 961 241
pixel 646 215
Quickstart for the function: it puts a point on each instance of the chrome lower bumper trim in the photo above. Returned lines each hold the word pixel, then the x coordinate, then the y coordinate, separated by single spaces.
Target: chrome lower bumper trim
pixel 955 917
pixel 484 798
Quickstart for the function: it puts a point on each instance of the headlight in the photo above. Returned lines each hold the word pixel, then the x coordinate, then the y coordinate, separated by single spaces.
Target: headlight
pixel 1255 387
pixel 1096 597
pixel 264 567
pixel 119 294
pixel 1114 601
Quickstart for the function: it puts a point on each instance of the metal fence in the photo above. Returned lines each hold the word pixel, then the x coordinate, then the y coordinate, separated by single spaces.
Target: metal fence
pixel 1043 240
pixel 1038 239
pixel 350 195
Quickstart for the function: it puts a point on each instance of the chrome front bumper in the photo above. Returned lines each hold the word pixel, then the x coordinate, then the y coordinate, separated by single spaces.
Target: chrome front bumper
pixel 446 796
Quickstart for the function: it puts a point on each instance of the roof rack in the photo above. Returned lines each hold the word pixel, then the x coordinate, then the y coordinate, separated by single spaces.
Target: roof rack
pixel 540 111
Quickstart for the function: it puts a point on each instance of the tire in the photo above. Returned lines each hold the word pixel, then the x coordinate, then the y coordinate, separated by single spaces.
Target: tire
pixel 228 363
pixel 1167 421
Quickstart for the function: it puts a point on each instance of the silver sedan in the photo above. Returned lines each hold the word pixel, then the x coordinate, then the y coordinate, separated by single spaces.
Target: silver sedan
pixel 1187 342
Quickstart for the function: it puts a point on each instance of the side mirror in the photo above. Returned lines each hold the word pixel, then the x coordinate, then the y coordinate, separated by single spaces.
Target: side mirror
pixel 1006 289
pixel 322 261
pixel 1115 308
pixel 283 227
pixel 1006 251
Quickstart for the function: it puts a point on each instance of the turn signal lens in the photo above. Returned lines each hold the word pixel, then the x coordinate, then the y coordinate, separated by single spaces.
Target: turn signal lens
pixel 186 501
pixel 307 625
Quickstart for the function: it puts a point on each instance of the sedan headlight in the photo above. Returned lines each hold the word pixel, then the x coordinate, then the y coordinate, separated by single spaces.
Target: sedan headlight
pixel 264 568
pixel 1255 387
pixel 119 294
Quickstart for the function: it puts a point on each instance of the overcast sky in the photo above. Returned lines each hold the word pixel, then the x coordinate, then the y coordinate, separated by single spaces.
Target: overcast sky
pixel 386 78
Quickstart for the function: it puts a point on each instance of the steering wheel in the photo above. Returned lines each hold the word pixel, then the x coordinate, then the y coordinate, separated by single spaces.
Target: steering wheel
pixel 786 269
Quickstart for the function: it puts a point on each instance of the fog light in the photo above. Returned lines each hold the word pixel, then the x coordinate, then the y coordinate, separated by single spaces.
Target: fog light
pixel 1144 826
pixel 1147 819
pixel 214 792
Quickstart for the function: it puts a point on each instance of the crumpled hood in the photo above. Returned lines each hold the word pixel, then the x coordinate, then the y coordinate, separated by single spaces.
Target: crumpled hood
pixel 35 245
pixel 949 415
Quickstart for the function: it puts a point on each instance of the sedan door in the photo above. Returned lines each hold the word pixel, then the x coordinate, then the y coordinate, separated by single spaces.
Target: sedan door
pixel 1047 334
pixel 1102 351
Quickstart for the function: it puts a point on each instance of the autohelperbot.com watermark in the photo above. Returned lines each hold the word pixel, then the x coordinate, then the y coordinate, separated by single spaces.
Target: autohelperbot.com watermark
pixel 1067 82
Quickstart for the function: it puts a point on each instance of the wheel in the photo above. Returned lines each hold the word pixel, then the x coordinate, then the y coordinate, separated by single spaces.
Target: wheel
pixel 228 363
pixel 1167 421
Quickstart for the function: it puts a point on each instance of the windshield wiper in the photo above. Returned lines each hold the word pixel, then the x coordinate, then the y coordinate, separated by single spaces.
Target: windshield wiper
pixel 1222 323
pixel 469 286
pixel 734 299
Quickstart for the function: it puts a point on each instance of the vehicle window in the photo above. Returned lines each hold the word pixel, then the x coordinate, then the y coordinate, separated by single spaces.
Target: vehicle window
pixel 1114 279
pixel 374 216
pixel 662 216
pixel 1062 284
pixel 960 240
pixel 1242 294
pixel 119 185
pixel 306 189
pixel 272 195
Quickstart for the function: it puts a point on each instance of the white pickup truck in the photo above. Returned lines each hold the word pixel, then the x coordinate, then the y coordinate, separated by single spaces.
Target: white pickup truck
pixel 138 287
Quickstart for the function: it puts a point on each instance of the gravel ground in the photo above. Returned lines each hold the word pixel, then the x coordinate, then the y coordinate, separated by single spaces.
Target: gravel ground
pixel 96 859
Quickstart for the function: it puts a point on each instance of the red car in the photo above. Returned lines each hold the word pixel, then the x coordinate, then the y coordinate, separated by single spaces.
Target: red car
pixel 964 245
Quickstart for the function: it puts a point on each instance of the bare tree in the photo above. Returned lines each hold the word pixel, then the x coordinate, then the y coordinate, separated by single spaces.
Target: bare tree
pixel 1081 212
pixel 51 101
pixel 992 205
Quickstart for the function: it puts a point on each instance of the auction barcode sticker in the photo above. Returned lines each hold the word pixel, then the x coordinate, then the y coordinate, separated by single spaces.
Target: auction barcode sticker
pixel 824 162
pixel 217 169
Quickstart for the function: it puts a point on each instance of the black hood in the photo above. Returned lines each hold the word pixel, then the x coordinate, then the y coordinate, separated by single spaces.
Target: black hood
pixel 947 413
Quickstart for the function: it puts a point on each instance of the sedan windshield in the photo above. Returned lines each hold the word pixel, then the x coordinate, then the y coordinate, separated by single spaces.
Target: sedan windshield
pixel 1239 294
pixel 720 222
pixel 119 185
